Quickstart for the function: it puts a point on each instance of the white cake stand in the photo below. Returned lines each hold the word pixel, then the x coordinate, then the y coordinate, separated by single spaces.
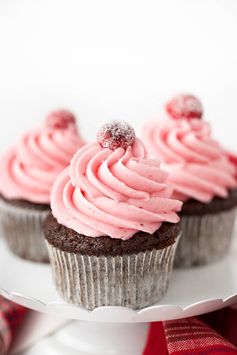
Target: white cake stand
pixel 117 330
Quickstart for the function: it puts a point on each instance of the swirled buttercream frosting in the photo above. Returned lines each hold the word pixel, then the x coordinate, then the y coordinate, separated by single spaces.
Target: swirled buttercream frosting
pixel 198 166
pixel 29 168
pixel 113 191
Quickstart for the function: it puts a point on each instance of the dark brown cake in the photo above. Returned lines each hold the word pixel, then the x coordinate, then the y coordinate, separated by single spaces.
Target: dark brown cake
pixel 26 204
pixel 68 240
pixel 194 207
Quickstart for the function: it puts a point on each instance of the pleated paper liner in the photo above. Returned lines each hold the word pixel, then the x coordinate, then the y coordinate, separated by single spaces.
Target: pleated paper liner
pixel 135 281
pixel 22 230
pixel 205 239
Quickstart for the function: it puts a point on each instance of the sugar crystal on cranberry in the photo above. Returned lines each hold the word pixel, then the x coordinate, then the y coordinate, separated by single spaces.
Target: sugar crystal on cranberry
pixel 116 134
pixel 184 106
pixel 60 119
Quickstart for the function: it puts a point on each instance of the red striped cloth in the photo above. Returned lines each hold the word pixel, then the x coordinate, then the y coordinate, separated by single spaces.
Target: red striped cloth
pixel 192 335
pixel 11 316
pixel 214 333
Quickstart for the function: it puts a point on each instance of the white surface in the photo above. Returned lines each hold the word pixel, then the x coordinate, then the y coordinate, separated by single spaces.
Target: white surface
pixel 86 338
pixel 115 59
pixel 191 292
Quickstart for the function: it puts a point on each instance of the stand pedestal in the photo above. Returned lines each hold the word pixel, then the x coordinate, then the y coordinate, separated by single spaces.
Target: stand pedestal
pixel 92 338
pixel 191 292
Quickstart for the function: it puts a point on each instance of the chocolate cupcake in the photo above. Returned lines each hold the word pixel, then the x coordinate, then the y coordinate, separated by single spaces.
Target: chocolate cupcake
pixel 203 178
pixel 113 230
pixel 28 171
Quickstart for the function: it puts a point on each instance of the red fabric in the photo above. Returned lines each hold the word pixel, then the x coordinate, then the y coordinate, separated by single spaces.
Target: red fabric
pixel 192 336
pixel 224 322
pixel 156 340
pixel 214 333
pixel 11 316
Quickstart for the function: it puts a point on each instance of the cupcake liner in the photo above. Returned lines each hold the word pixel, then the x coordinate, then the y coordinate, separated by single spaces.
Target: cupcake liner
pixel 205 239
pixel 22 230
pixel 135 281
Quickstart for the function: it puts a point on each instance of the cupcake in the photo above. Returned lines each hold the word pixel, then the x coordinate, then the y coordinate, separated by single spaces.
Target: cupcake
pixel 113 229
pixel 203 178
pixel 28 171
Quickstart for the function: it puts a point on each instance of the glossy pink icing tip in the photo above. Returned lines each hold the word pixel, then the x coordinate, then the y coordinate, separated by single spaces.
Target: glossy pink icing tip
pixel 60 119
pixel 184 106
pixel 116 134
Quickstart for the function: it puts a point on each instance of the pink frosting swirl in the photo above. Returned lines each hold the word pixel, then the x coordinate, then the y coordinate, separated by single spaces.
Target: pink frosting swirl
pixel 198 166
pixel 113 192
pixel 29 169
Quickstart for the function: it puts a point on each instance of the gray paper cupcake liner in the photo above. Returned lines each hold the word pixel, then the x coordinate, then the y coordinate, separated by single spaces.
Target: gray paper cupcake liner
pixel 205 239
pixel 135 281
pixel 22 230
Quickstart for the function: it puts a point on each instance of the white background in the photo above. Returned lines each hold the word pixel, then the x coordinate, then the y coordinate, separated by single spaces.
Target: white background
pixel 116 59
pixel 107 59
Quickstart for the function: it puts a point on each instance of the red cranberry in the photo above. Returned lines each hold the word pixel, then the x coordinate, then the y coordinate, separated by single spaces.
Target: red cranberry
pixel 60 119
pixel 116 134
pixel 184 106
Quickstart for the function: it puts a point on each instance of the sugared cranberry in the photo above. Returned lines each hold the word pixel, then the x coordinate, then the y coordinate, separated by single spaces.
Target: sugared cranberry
pixel 60 119
pixel 184 106
pixel 116 134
